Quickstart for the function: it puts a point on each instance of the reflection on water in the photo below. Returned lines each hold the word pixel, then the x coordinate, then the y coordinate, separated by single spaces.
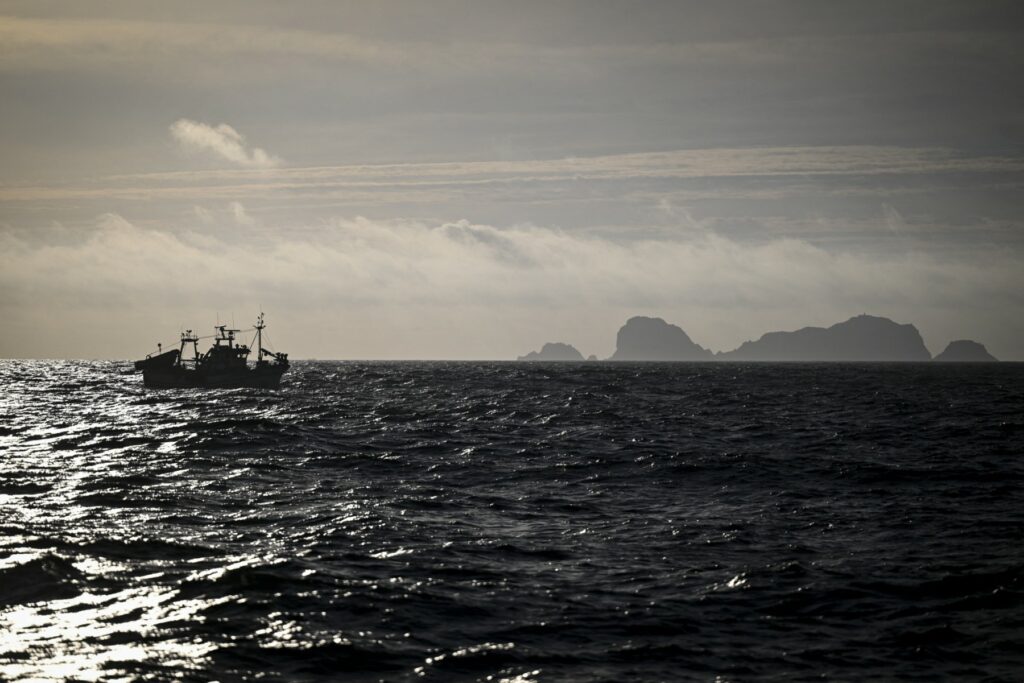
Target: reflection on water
pixel 90 636
pixel 512 522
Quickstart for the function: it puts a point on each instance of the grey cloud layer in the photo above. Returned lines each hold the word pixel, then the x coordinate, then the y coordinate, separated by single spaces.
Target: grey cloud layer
pixel 848 196
pixel 709 164
pixel 484 177
pixel 552 82
pixel 416 274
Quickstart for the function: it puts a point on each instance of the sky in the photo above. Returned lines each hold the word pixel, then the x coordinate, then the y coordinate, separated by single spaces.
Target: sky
pixel 470 180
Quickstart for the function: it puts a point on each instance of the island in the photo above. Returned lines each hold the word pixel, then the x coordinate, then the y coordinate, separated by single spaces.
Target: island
pixel 553 351
pixel 965 351
pixel 861 338
pixel 653 339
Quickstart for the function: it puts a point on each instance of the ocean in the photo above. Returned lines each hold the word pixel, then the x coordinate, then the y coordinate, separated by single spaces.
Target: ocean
pixel 464 521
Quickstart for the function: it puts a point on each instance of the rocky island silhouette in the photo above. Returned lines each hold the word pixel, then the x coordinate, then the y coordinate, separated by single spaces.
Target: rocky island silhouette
pixel 861 338
pixel 965 351
pixel 643 338
pixel 554 351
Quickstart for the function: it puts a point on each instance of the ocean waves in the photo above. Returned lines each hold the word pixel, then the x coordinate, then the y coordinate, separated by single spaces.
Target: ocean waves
pixel 519 522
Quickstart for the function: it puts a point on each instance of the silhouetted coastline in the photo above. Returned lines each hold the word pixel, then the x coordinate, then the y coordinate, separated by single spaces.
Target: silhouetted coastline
pixel 862 338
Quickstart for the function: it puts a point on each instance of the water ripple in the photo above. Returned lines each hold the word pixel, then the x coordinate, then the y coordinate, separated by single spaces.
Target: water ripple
pixel 515 522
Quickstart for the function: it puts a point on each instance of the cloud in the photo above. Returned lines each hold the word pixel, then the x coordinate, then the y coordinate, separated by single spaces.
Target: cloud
pixel 222 140
pixel 833 169
pixel 34 42
pixel 240 215
pixel 29 41
pixel 404 289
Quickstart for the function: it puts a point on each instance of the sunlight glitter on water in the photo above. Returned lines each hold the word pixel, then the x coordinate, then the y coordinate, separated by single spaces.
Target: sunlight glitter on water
pixel 88 636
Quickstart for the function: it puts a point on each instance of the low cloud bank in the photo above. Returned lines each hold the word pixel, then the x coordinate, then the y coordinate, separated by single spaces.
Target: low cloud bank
pixel 459 289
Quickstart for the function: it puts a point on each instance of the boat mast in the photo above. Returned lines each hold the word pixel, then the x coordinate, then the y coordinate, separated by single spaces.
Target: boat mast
pixel 259 338
pixel 186 338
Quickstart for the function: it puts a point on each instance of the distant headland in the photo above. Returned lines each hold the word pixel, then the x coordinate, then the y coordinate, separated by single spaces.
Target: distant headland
pixel 861 338
pixel 554 351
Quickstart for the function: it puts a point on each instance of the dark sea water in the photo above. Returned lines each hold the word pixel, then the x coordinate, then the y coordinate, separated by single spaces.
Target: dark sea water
pixel 515 522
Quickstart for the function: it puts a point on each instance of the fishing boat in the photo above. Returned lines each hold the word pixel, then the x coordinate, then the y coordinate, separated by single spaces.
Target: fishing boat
pixel 225 365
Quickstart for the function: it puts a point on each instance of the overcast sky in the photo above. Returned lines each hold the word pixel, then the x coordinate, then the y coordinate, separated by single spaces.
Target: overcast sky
pixel 473 179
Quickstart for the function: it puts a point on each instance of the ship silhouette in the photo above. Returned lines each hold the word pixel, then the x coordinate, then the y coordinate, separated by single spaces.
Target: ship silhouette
pixel 225 365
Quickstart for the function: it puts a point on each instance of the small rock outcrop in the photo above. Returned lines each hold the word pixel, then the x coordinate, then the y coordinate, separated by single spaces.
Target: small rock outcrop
pixel 861 338
pixel 554 351
pixel 965 351
pixel 644 338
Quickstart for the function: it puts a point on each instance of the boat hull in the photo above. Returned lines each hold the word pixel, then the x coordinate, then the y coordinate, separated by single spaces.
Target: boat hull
pixel 264 377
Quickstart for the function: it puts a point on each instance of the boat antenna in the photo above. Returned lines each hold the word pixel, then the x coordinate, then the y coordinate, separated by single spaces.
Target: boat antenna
pixel 259 337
